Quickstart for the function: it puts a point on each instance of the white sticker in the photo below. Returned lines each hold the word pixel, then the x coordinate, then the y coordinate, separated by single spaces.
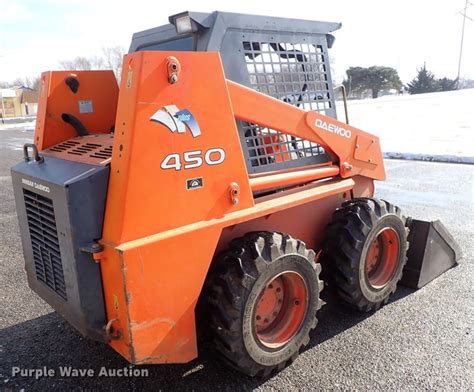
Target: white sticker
pixel 85 107
pixel 35 185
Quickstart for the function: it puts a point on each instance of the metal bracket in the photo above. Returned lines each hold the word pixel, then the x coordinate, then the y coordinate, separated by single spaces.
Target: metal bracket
pixel 95 249
pixel 365 149
pixel 37 157
pixel 174 68
pixel 112 333
pixel 234 193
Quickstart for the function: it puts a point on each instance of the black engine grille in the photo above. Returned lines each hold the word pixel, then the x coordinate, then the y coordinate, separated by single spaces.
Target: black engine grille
pixel 44 241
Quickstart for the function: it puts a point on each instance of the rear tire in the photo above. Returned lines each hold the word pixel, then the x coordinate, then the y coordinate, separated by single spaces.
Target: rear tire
pixel 365 252
pixel 261 297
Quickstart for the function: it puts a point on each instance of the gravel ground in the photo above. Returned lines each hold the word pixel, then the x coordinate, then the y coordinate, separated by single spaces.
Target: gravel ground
pixel 421 340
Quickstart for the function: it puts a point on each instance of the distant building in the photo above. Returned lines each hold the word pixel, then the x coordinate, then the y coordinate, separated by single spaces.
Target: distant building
pixel 18 102
pixel 8 105
pixel 29 102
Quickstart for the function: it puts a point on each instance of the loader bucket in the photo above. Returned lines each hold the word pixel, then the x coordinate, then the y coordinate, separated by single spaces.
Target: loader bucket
pixel 432 251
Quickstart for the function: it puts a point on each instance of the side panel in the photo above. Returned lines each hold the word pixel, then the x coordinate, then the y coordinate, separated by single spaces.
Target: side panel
pixel 150 192
pixel 305 222
pixel 152 165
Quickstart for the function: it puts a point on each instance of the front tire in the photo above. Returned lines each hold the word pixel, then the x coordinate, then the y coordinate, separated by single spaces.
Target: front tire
pixel 262 296
pixel 365 252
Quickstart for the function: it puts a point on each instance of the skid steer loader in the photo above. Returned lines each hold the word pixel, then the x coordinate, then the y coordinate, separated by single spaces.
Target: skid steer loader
pixel 217 174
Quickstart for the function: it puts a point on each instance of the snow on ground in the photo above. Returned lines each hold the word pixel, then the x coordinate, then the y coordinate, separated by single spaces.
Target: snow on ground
pixel 435 126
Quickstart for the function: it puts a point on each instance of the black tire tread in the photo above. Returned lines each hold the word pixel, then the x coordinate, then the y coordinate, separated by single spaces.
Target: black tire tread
pixel 229 284
pixel 345 237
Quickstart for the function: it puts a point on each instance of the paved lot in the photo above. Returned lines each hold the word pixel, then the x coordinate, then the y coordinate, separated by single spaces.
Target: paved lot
pixel 421 340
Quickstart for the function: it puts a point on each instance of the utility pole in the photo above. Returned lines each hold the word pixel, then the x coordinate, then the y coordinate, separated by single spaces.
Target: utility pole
pixel 464 14
pixel 3 109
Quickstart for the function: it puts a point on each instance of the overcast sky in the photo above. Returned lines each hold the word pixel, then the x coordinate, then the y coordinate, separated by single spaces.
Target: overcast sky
pixel 36 34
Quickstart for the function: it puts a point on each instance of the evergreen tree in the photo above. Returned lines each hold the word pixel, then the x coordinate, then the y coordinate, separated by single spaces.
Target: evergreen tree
pixel 424 82
pixel 446 84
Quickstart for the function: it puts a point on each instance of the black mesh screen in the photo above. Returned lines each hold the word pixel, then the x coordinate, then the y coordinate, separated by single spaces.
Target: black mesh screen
pixel 293 73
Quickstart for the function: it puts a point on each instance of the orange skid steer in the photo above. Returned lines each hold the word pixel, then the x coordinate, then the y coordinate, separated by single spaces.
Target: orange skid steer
pixel 215 185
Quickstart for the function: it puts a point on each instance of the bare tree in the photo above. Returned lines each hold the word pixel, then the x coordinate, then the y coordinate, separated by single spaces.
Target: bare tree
pixel 26 82
pixel 111 58
pixel 34 83
pixel 78 63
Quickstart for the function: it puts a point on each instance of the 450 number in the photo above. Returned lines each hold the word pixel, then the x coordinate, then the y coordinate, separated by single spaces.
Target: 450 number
pixel 193 159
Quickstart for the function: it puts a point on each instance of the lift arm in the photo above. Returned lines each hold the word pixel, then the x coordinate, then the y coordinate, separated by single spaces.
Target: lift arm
pixel 356 152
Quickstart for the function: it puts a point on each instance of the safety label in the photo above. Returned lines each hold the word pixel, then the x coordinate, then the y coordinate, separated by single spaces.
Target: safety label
pixel 85 107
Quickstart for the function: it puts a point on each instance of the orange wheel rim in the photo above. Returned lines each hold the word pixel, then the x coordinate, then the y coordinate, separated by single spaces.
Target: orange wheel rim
pixel 281 309
pixel 382 258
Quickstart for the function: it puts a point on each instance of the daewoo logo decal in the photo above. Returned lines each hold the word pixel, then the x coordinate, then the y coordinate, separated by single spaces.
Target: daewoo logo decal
pixel 333 128
pixel 177 120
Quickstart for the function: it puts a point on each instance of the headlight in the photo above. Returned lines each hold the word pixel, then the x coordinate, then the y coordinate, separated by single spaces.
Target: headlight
pixel 184 25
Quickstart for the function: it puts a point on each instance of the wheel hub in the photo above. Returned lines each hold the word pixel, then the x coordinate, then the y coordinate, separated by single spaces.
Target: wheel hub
pixel 382 258
pixel 281 309
pixel 270 304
